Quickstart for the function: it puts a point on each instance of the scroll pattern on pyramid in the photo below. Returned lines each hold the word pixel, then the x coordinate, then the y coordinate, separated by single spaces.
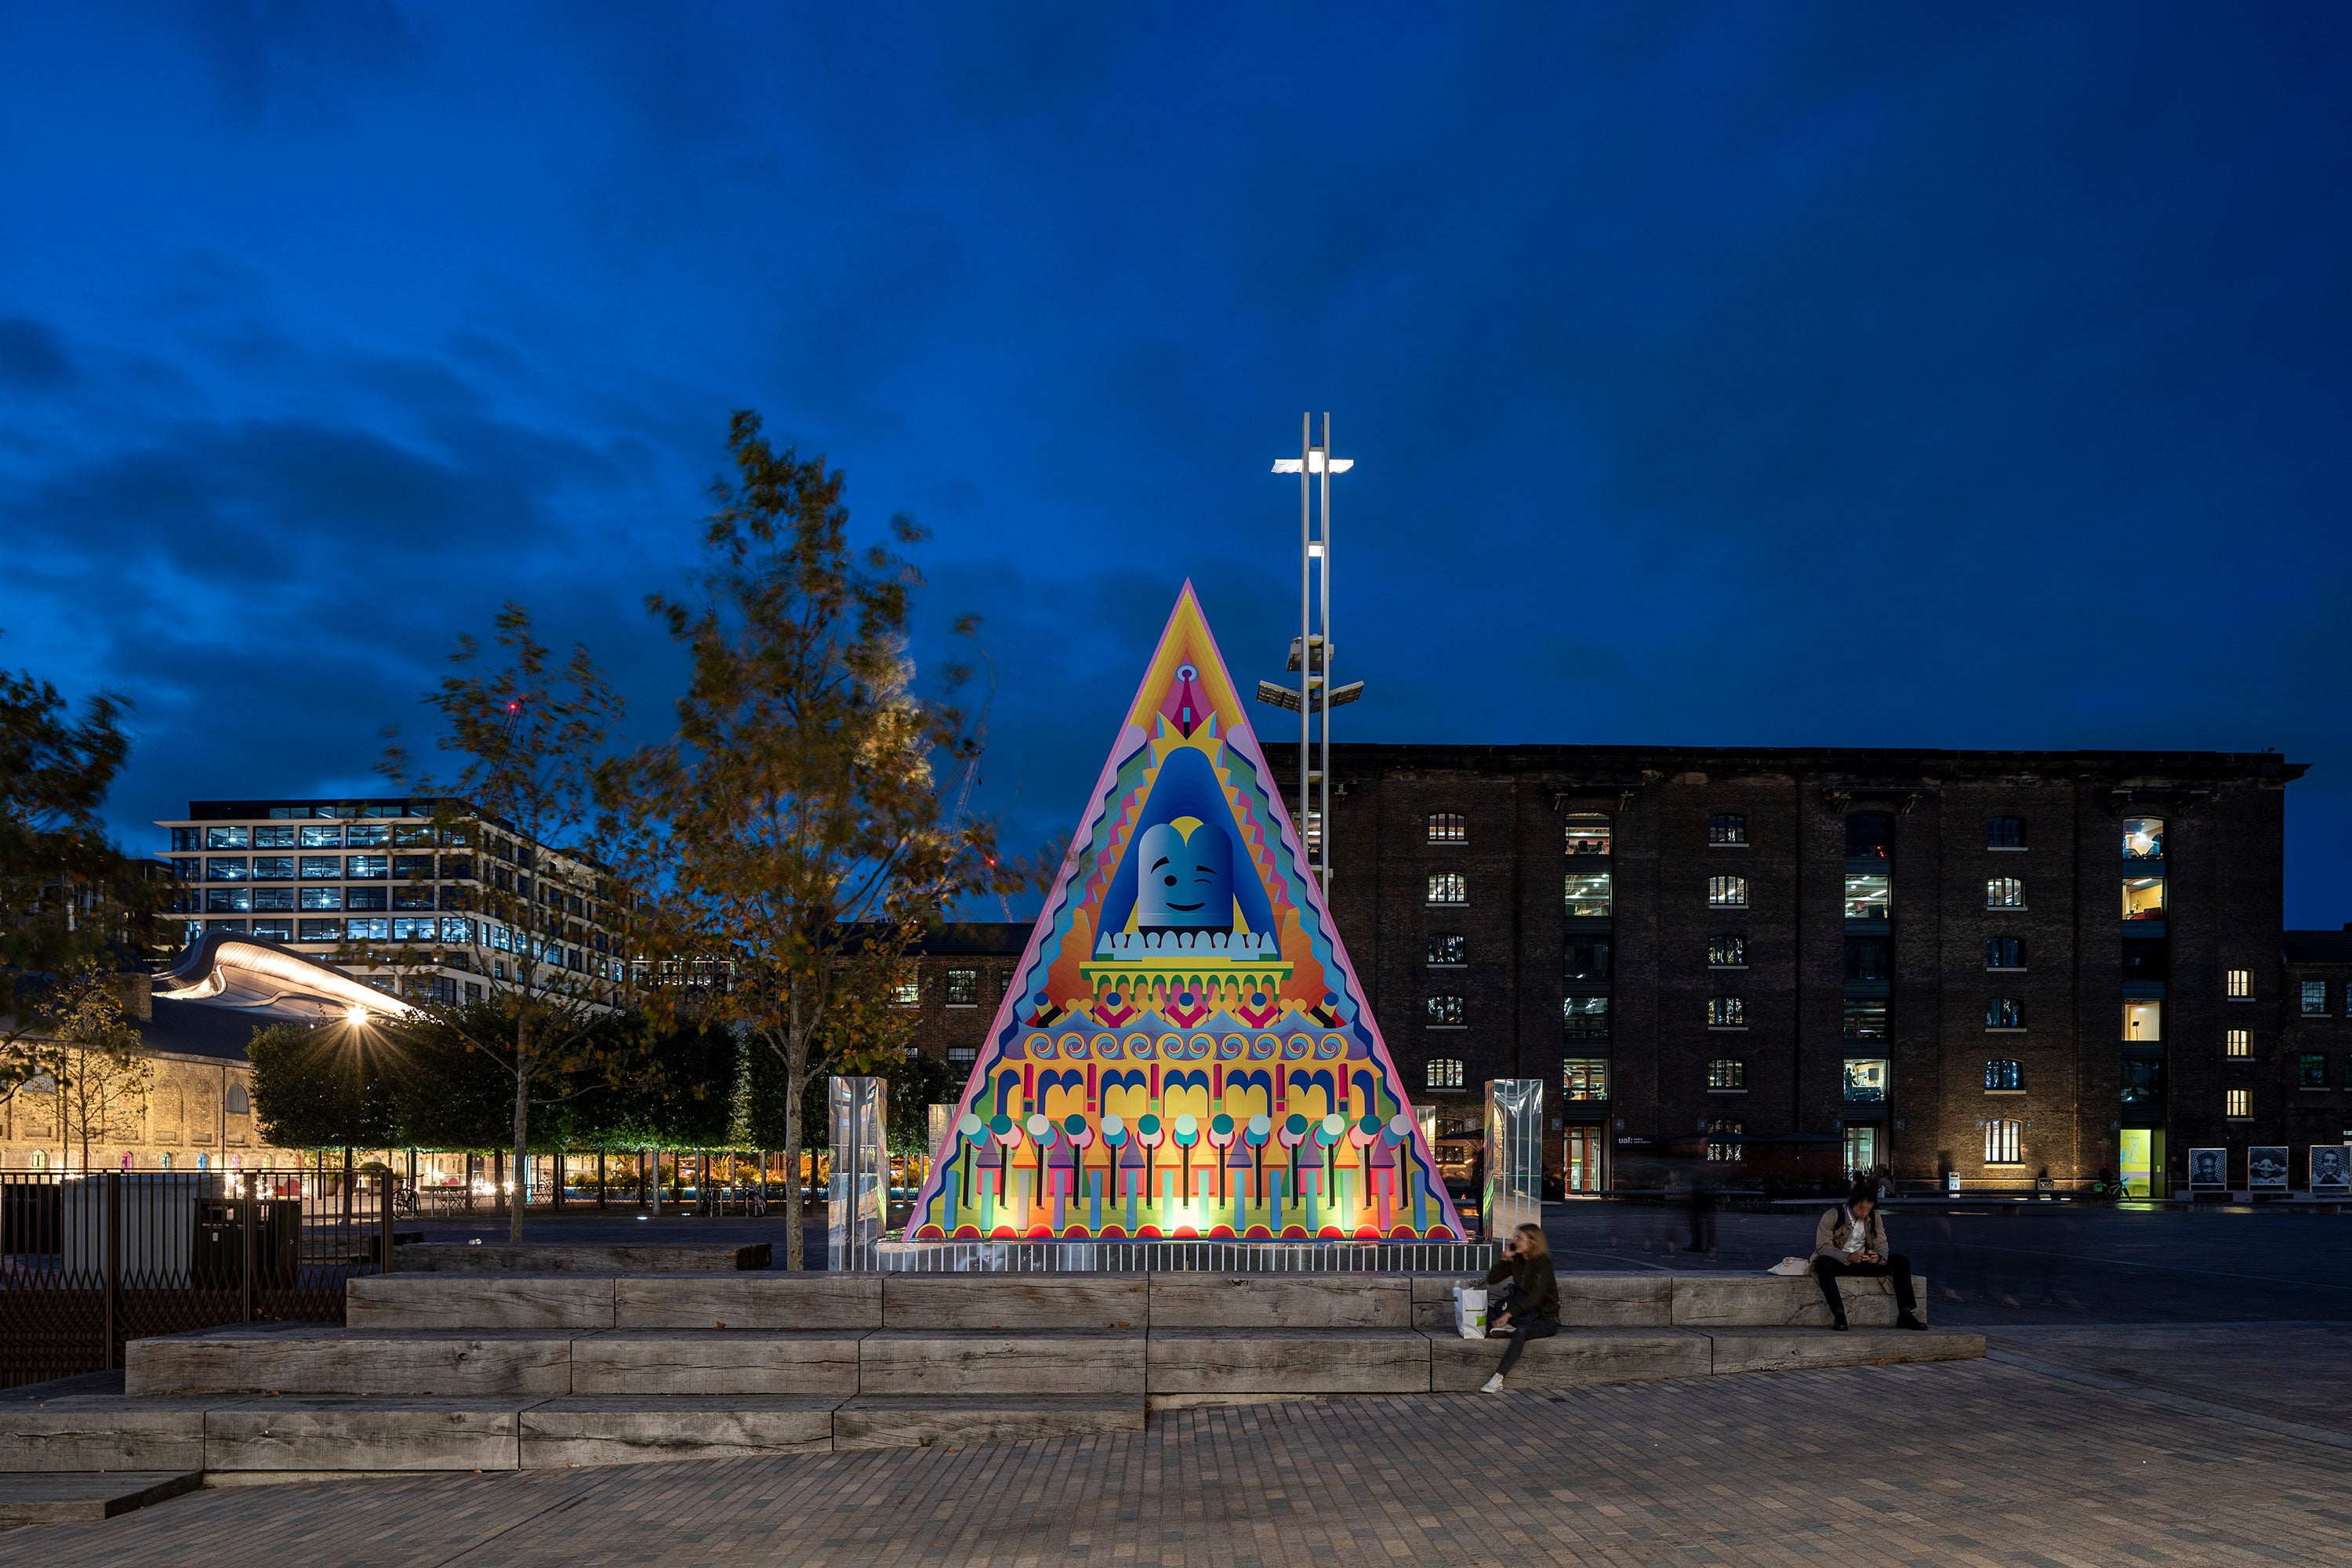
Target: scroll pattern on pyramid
pixel 1185 1050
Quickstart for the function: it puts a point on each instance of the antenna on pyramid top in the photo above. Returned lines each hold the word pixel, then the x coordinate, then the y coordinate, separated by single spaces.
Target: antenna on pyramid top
pixel 1312 651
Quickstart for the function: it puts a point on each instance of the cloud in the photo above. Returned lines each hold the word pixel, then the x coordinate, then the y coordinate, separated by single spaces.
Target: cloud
pixel 31 357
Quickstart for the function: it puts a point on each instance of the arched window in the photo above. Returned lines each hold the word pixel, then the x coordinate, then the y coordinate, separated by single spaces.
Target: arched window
pixel 1445 1072
pixel 1589 833
pixel 2005 833
pixel 2004 1012
pixel 238 1104
pixel 2004 893
pixel 1727 892
pixel 2003 1146
pixel 1448 828
pixel 1445 1012
pixel 1449 888
pixel 1726 1013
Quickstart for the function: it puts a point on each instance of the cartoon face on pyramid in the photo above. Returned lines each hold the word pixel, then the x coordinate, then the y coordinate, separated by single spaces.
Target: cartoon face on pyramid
pixel 1185 1050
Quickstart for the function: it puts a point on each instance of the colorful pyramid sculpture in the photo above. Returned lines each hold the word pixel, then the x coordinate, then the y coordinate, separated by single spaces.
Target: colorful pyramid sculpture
pixel 1185 1050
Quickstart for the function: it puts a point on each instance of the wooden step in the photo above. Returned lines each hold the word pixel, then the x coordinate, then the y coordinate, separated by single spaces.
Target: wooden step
pixel 1288 1361
pixel 635 1429
pixel 1001 1362
pixel 1571 1358
pixel 68 1497
pixel 919 1420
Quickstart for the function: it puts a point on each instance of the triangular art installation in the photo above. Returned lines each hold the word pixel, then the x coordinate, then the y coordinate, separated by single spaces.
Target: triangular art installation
pixel 1185 1050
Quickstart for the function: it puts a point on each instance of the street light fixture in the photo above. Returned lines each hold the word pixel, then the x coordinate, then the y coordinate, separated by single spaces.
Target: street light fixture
pixel 1312 650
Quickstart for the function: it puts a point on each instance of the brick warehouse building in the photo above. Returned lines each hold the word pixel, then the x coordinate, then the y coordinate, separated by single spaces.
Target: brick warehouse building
pixel 1996 964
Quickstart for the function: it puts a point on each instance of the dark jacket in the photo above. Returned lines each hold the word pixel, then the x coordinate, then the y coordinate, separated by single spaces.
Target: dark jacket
pixel 1538 1290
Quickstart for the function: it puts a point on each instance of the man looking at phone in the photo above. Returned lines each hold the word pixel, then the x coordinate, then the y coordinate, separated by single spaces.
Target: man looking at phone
pixel 1852 1239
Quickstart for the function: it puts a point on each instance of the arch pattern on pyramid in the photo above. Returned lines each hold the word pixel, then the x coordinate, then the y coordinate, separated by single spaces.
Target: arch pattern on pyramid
pixel 1185 1050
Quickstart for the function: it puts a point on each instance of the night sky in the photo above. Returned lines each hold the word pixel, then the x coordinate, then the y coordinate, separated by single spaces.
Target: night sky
pixel 1851 375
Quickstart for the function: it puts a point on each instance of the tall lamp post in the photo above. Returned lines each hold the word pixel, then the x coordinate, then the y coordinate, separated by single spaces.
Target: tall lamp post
pixel 1311 653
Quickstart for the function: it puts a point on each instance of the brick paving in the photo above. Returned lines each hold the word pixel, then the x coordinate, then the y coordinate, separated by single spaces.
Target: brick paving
pixel 1970 1463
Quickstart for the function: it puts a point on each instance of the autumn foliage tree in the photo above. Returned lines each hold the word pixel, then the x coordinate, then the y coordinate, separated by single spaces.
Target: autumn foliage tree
pixel 803 826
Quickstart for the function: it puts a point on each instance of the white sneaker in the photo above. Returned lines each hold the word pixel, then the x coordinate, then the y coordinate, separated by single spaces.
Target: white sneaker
pixel 1493 1384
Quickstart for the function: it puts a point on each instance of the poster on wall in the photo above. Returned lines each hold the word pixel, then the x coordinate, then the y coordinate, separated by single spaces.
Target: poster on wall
pixel 2331 1170
pixel 2266 1168
pixel 2208 1170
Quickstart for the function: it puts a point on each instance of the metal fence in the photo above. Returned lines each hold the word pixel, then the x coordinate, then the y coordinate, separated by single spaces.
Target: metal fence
pixel 1183 1257
pixel 90 1261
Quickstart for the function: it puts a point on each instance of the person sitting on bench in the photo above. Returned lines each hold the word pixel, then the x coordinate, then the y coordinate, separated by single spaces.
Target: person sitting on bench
pixel 1852 1239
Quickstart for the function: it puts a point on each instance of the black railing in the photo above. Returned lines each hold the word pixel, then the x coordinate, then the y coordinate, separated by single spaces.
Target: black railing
pixel 90 1262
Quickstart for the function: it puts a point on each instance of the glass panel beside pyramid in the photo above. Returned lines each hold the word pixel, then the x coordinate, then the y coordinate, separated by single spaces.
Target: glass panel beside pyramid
pixel 1185 1050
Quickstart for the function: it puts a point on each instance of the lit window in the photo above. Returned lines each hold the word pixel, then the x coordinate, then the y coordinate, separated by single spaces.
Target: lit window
pixel 1727 1073
pixel 366 899
pixel 320 931
pixel 2004 953
pixel 187 838
pixel 907 991
pixel 1723 1144
pixel 366 834
pixel 367 931
pixel 226 838
pixel 2239 982
pixel 2238 1104
pixel 2144 1021
pixel 273 899
pixel 1724 827
pixel 1589 833
pixel 2143 839
pixel 1449 888
pixel 1726 1013
pixel 2005 833
pixel 276 930
pixel 1445 1073
pixel 1588 895
pixel 1869 896
pixel 314 838
pixel 2312 1070
pixel 1587 958
pixel 2314 998
pixel 2238 1042
pixel 279 838
pixel 1865 1018
pixel 963 988
pixel 1584 1078
pixel 227 900
pixel 1584 1017
pixel 230 869
pixel 2004 1077
pixel 962 1056
pixel 1727 892
pixel 323 897
pixel 2143 898
pixel 2004 1012
pixel 273 868
pixel 372 866
pixel 1445 1012
pixel 321 868
pixel 2002 1144
pixel 1865 1081
pixel 1868 837
pixel 1446 950
pixel 2004 892
pixel 1727 951
pixel 1448 828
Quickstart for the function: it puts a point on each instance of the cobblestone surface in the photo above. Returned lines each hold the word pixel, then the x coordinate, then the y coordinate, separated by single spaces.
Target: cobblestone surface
pixel 1970 1463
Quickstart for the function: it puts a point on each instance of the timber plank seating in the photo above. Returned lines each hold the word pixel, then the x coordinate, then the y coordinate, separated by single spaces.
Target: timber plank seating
pixel 546 1369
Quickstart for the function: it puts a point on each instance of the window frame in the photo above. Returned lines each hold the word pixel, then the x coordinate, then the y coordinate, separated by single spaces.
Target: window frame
pixel 1579 908
pixel 2005 1015
pixel 1727 1012
pixel 2004 834
pixel 1993 953
pixel 1578 847
pixel 1446 1010
pixel 1726 830
pixel 1461 959
pixel 1726 891
pixel 2237 1045
pixel 2004 1141
pixel 1593 1072
pixel 2238 984
pixel 1445 1072
pixel 2004 1075
pixel 1449 829
pixel 1447 890
pixel 2312 998
pixel 2005 893
pixel 1739 949
pixel 2237 1105
pixel 1726 1075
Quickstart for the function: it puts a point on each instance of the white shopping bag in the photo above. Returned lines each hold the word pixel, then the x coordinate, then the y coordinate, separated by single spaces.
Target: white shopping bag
pixel 1790 1266
pixel 1470 1311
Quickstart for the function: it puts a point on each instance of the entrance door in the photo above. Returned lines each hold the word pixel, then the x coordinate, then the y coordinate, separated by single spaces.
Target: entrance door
pixel 1861 1148
pixel 2140 1162
pixel 1586 1158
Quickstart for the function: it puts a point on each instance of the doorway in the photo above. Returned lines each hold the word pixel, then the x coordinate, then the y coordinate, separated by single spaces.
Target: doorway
pixel 1861 1148
pixel 1587 1157
pixel 2140 1162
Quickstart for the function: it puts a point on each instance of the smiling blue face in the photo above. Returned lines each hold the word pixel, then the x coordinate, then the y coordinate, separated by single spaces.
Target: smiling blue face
pixel 1184 883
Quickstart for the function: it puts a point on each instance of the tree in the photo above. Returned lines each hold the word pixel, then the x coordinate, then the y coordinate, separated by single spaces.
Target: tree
pixel 801 814
pixel 527 738
pixel 324 1087
pixel 65 889
pixel 102 1079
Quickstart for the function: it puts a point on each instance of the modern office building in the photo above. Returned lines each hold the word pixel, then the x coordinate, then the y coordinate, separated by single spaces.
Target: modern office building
pixel 1988 967
pixel 339 877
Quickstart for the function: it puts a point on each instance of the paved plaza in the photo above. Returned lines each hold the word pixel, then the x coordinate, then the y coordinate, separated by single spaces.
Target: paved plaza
pixel 2058 1451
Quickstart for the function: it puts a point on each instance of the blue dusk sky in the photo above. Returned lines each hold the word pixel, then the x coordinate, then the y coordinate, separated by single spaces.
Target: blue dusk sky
pixel 1970 376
